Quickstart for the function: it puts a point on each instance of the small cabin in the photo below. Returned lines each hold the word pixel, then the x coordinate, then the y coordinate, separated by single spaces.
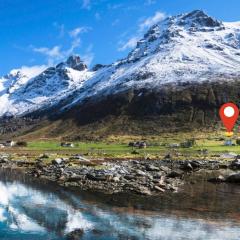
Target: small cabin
pixel 228 142
pixel 67 144
pixel 174 145
pixel 139 144
pixel 188 143
pixel 8 143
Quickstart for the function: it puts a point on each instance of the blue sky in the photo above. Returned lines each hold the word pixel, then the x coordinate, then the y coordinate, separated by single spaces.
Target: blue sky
pixel 44 32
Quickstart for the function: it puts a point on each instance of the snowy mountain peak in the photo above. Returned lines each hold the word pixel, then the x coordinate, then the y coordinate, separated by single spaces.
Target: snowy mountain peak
pixel 187 48
pixel 73 62
pixel 15 74
pixel 198 18
pixel 191 30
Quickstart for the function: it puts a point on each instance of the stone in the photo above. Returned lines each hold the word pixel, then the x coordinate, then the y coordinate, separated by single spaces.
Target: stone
pixel 218 179
pixel 116 179
pixel 80 158
pixel 150 177
pixel 159 188
pixel 44 155
pixel 223 166
pixel 57 161
pixel 135 162
pixel 62 178
pixel 187 166
pixel 168 156
pixel 129 177
pixel 173 188
pixel 4 160
pixel 165 169
pixel 156 181
pixel 39 164
pixel 235 164
pixel 161 182
pixel 140 173
pixel 152 168
pixel 75 235
pixel 175 174
pixel 97 177
pixel 144 191
pixel 195 164
pixel 234 178
pixel 228 155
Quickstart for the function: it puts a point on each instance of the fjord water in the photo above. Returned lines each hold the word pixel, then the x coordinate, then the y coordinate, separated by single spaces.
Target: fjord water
pixel 33 210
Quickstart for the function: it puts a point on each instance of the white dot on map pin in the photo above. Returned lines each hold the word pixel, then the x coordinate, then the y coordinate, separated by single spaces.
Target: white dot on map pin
pixel 229 111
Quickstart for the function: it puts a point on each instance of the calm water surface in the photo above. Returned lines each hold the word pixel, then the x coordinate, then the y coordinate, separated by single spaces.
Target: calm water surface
pixel 33 210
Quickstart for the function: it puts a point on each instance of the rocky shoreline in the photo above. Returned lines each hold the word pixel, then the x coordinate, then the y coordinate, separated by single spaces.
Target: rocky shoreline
pixel 144 177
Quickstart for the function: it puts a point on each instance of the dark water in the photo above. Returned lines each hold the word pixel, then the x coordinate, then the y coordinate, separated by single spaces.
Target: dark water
pixel 33 210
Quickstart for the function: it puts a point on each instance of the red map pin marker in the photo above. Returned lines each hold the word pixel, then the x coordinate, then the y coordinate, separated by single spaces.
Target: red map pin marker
pixel 229 113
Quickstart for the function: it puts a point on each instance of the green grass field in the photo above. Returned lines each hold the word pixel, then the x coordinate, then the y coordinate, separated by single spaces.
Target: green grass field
pixel 117 146
pixel 122 149
pixel 97 148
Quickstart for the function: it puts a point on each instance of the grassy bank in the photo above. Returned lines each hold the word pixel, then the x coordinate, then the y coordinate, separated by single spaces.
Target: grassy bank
pixel 213 146
pixel 117 146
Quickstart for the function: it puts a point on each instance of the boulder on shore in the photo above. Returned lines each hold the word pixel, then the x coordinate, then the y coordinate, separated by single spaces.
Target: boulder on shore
pixel 218 179
pixel 234 178
pixel 235 164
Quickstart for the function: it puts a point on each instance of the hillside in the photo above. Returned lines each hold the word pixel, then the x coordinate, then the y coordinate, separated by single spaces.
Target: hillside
pixel 175 79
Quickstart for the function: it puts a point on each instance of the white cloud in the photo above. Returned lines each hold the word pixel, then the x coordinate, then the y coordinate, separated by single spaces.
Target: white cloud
pixel 76 43
pixel 114 6
pixel 98 16
pixel 76 31
pixel 60 28
pixel 52 55
pixel 54 52
pixel 159 16
pixel 144 24
pixel 88 56
pixel 131 43
pixel 115 22
pixel 150 2
pixel 57 53
pixel 32 71
pixel 86 4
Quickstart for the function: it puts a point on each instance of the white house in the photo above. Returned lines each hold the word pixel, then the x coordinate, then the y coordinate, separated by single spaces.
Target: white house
pixel 8 143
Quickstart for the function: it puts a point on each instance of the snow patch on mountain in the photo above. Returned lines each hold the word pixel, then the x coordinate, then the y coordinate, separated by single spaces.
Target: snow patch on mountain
pixel 191 47
pixel 22 93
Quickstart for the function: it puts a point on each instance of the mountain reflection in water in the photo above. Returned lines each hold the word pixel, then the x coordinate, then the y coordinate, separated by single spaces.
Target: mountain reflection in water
pixel 29 210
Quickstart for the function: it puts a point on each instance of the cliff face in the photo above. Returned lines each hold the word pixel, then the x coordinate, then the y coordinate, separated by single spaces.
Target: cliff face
pixel 172 108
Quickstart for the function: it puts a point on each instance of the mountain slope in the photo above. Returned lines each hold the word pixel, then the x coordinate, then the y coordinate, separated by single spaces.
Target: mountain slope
pixel 187 48
pixel 24 94
pixel 183 69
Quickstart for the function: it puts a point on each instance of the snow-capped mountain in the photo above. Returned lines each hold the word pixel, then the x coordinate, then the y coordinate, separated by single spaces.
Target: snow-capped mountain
pixel 190 48
pixel 22 93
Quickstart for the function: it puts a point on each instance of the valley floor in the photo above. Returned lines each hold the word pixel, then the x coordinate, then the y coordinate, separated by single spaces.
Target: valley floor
pixel 167 145
pixel 114 166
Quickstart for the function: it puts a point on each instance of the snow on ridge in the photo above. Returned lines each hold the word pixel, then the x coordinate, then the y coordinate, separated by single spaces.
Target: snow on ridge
pixel 31 72
pixel 191 47
pixel 22 94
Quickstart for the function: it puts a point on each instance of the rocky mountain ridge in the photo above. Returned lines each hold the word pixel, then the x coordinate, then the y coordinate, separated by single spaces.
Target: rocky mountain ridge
pixel 184 67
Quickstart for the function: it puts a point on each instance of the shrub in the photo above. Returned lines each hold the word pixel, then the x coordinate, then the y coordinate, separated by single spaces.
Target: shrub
pixel 21 144
pixel 238 141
